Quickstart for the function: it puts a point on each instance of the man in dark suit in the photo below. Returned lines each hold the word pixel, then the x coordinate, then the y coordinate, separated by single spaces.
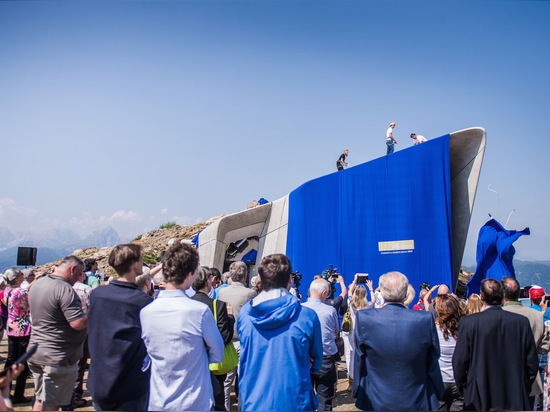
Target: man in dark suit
pixel 495 360
pixel 397 352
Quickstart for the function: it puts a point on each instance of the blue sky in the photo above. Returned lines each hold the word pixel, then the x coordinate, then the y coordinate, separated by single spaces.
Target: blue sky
pixel 132 114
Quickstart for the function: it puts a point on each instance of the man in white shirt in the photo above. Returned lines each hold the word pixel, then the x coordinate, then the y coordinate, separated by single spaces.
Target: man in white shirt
pixel 181 337
pixel 418 138
pixel 390 141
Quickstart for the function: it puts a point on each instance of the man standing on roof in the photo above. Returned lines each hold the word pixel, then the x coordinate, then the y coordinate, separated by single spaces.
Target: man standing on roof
pixel 390 141
pixel 418 138
pixel 341 163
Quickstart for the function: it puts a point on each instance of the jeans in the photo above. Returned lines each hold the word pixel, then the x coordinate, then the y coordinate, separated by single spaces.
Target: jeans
pixel 136 404
pixel 324 381
pixel 390 145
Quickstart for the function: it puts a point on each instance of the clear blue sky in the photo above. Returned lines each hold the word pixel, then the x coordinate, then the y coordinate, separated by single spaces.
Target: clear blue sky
pixel 133 114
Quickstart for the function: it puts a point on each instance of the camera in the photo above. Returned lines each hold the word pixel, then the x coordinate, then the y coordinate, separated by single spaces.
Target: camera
pixel 362 277
pixel 425 285
pixel 330 275
pixel 296 279
pixel 524 292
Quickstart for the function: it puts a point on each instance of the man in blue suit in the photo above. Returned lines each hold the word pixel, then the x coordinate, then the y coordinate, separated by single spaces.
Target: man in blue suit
pixel 397 352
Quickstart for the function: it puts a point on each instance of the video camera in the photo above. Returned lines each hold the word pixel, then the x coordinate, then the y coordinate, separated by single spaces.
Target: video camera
pixel 330 275
pixel 296 279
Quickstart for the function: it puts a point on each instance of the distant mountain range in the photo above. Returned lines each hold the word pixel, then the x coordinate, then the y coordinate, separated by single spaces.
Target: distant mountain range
pixel 51 245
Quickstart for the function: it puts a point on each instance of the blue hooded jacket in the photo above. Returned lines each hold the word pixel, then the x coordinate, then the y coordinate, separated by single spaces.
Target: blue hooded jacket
pixel 280 339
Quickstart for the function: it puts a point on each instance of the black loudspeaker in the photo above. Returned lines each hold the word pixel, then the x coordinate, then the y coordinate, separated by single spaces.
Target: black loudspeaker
pixel 26 256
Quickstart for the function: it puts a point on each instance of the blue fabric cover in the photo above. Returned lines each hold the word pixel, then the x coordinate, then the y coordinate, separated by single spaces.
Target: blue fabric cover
pixel 250 256
pixel 340 218
pixel 263 201
pixel 495 253
pixel 195 239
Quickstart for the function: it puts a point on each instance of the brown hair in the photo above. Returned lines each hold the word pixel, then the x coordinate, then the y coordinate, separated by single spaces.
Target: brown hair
pixel 449 314
pixel 178 262
pixel 360 297
pixel 275 271
pixel 122 257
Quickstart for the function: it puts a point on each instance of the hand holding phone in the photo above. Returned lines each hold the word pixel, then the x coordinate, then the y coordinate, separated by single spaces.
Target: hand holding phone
pixel 362 278
pixel 22 359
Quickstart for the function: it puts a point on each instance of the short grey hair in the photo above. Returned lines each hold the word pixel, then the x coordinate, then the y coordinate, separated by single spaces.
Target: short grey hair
pixel 393 286
pixel 141 280
pixel 159 277
pixel 318 286
pixel 238 271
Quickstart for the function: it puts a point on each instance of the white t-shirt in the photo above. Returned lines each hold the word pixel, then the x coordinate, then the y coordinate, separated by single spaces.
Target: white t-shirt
pixel 420 139
pixel 389 133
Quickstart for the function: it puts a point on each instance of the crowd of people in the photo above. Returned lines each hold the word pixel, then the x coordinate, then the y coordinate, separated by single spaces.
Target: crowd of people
pixel 181 336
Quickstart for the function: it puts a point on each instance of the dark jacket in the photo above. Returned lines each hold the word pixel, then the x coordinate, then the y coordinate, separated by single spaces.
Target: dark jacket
pixel 495 360
pixel 396 360
pixel 226 322
pixel 114 340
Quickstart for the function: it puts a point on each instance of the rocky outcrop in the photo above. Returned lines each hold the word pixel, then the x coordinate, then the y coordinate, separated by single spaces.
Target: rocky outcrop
pixel 153 243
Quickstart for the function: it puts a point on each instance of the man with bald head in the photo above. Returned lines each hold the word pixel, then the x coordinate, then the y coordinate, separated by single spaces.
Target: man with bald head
pixel 325 379
pixel 59 329
pixel 397 352
pixel 441 290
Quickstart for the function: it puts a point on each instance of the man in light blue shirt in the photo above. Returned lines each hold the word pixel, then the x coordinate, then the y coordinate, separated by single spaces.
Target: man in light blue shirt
pixel 181 337
pixel 325 379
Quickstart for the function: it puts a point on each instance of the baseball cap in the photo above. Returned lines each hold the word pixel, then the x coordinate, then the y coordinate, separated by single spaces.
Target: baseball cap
pixel 536 293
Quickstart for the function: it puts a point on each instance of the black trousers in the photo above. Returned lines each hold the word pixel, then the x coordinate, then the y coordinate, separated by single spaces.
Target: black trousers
pixel 82 364
pixel 17 346
pixel 324 382
pixel 452 399
pixel 219 394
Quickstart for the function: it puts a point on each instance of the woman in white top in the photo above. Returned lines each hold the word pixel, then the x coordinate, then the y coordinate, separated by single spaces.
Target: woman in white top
pixel 449 314
pixel 357 300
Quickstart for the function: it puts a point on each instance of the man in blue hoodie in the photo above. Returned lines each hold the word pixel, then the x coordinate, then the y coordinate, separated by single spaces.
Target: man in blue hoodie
pixel 276 330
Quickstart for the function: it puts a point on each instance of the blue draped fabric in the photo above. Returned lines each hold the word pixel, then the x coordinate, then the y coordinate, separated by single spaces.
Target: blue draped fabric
pixel 495 253
pixel 250 256
pixel 403 199
pixel 195 239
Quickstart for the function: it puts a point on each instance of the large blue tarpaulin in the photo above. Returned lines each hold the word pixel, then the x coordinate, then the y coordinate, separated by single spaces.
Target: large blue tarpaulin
pixel 495 253
pixel 392 213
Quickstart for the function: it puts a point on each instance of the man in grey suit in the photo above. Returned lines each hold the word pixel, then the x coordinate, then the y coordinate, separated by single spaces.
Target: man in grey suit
pixel 236 295
pixel 536 319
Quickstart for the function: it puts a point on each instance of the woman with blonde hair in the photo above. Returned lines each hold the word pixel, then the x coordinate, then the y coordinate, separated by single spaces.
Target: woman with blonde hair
pixel 357 301
pixel 474 304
